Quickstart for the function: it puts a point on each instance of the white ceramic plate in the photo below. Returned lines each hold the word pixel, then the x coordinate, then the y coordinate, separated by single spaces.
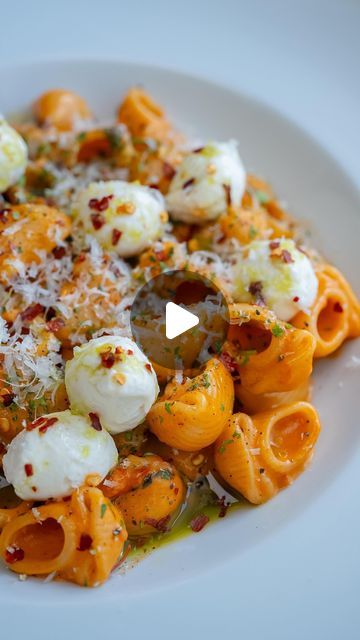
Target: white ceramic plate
pixel 318 192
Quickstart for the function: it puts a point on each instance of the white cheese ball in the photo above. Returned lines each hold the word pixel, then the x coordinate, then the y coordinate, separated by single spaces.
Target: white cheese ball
pixel 123 217
pixel 110 376
pixel 276 273
pixel 206 182
pixel 51 462
pixel 13 155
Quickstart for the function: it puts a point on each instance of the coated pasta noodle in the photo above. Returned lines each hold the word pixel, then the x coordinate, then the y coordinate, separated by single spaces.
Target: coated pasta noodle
pixel 106 453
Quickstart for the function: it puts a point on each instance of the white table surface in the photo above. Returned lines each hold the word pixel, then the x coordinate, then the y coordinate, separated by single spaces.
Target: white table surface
pixel 286 54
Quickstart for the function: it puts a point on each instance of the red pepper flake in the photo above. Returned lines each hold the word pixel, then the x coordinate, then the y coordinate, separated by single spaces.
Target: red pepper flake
pixel 100 204
pixel 227 190
pixel 14 554
pixel 275 244
pixel 47 423
pixel 229 363
pixel 95 421
pixel 7 399
pixel 130 352
pixel 223 506
pixel 188 183
pixel 97 221
pixel 199 522
pixel 198 150
pixel 43 423
pixel 159 525
pixel 59 252
pixel 116 235
pixel 4 214
pixel 255 289
pixel 34 489
pixel 161 255
pixel 85 542
pixel 148 367
pixel 29 471
pixel 338 307
pixel 31 312
pixel 107 359
pixel 296 299
pixel 168 170
pixel 55 324
pixel 286 257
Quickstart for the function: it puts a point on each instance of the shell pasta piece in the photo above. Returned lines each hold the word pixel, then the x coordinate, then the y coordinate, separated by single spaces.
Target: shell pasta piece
pixel 191 415
pixel 335 315
pixel 60 109
pixel 40 541
pixel 269 356
pixel 148 491
pixel 260 455
pixel 254 403
pixel 143 116
pixel 8 514
pixel 25 231
pixel 64 537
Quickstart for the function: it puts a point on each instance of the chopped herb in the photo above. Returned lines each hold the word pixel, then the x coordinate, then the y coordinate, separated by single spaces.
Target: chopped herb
pixel 102 510
pixel 262 197
pixel 168 407
pixel 252 232
pixel 277 331
pixel 206 381
pixel 165 474
pixel 114 139
pixel 224 445
pixel 217 346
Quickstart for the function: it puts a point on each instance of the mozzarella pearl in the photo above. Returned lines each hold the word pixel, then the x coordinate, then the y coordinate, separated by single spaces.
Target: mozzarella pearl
pixel 13 155
pixel 110 376
pixel 206 182
pixel 45 463
pixel 124 217
pixel 279 273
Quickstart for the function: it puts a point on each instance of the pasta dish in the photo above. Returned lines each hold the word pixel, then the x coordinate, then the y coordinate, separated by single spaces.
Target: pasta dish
pixel 104 450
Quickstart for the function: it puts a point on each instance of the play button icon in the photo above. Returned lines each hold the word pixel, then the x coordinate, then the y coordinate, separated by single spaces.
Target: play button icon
pixel 179 319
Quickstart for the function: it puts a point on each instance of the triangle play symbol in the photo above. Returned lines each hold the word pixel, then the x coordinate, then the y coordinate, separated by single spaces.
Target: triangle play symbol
pixel 178 320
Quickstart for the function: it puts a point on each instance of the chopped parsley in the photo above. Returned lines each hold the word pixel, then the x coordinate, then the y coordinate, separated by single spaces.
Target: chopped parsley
pixel 168 407
pixel 277 331
pixel 252 232
pixel 262 197
pixel 224 445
